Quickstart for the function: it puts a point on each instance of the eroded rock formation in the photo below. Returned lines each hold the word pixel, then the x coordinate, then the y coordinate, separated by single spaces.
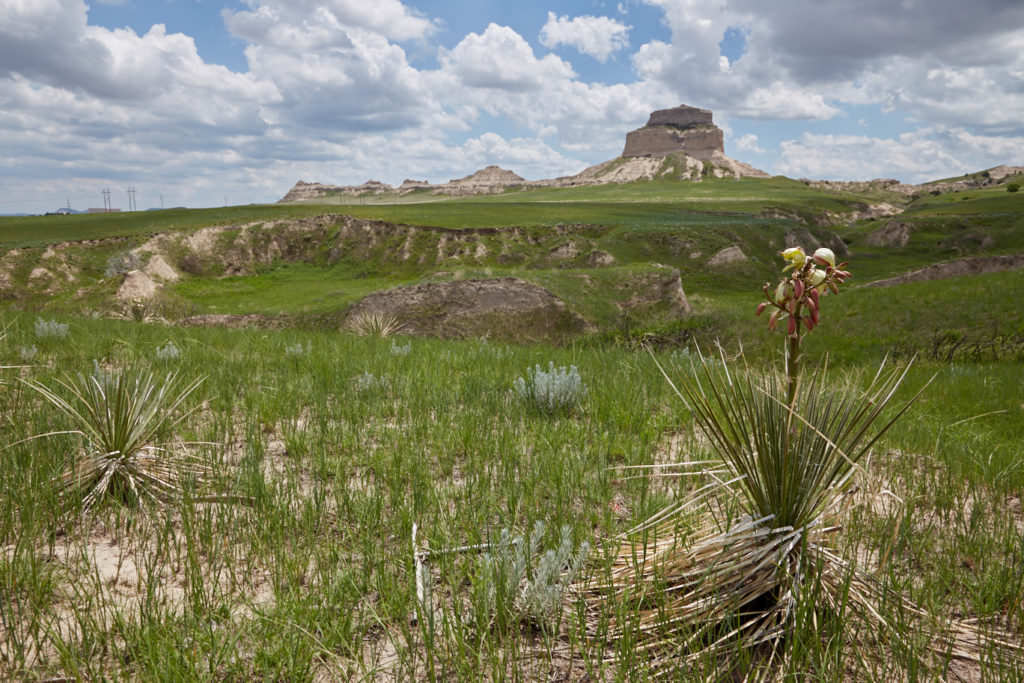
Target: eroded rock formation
pixel 680 129
pixel 504 308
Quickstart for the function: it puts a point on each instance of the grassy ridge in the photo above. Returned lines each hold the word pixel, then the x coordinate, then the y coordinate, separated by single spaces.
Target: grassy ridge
pixel 604 205
pixel 35 231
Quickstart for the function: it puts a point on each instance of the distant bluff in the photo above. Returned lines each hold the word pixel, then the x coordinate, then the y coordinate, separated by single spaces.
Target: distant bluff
pixel 681 143
pixel 681 129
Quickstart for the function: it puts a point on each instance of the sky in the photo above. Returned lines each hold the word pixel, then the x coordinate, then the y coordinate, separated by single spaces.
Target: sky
pixel 213 102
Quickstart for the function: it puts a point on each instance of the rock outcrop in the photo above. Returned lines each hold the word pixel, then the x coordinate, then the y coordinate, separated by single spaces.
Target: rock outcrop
pixel 506 308
pixel 485 181
pixel 680 129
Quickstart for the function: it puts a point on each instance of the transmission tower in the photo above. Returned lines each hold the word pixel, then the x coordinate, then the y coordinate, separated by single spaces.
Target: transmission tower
pixel 106 199
pixel 131 199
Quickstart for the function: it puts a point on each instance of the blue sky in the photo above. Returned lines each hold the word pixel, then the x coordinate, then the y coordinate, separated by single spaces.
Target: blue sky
pixel 207 101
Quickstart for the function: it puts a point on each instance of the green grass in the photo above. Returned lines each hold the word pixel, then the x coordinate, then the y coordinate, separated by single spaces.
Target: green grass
pixel 317 574
pixel 287 288
pixel 34 231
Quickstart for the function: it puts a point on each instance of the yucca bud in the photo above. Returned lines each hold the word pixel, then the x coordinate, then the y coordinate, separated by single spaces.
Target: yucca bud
pixel 791 330
pixel 780 292
pixel 798 288
pixel 760 307
pixel 825 257
pixel 816 277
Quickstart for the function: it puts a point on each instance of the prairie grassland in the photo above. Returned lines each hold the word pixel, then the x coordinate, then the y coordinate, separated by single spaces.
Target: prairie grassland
pixel 295 560
pixel 332 447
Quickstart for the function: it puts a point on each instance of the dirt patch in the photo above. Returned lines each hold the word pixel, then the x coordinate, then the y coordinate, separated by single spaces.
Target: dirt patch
pixel 136 286
pixel 727 256
pixel 235 321
pixel 159 268
pixel 968 266
pixel 665 290
pixel 892 234
pixel 507 308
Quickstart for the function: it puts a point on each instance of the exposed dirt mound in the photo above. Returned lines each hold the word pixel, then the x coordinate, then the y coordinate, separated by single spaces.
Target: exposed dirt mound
pixel 136 286
pixel 727 256
pixel 505 308
pixel 660 290
pixel 967 266
pixel 892 234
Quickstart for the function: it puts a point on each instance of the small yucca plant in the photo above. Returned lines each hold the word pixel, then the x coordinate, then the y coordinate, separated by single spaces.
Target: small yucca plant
pixel 120 415
pixel 375 324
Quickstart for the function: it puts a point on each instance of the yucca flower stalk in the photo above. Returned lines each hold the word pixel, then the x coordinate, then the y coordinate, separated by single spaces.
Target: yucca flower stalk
pixel 120 415
pixel 757 537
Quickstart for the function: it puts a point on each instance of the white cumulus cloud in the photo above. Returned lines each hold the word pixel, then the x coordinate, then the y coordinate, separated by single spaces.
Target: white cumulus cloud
pixel 499 58
pixel 748 143
pixel 598 37
pixel 918 156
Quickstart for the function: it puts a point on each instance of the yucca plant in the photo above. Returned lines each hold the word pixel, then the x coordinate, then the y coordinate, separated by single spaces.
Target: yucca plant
pixel 120 415
pixel 788 445
pixel 375 324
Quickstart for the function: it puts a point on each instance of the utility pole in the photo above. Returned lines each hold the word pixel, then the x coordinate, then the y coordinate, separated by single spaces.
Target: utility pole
pixel 131 199
pixel 106 199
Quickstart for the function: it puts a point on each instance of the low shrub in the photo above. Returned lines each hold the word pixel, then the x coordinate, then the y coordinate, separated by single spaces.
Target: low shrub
pixel 515 582
pixel 557 390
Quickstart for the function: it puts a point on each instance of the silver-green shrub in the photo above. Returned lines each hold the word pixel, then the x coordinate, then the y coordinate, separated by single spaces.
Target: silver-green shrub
pixel 51 328
pixel 367 381
pixel 557 390
pixel 168 352
pixel 297 349
pixel 527 585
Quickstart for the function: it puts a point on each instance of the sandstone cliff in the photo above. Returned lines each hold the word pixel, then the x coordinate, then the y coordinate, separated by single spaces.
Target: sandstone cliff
pixel 681 129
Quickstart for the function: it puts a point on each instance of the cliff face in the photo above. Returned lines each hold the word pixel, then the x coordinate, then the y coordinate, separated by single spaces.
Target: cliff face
pixel 700 142
pixel 680 129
